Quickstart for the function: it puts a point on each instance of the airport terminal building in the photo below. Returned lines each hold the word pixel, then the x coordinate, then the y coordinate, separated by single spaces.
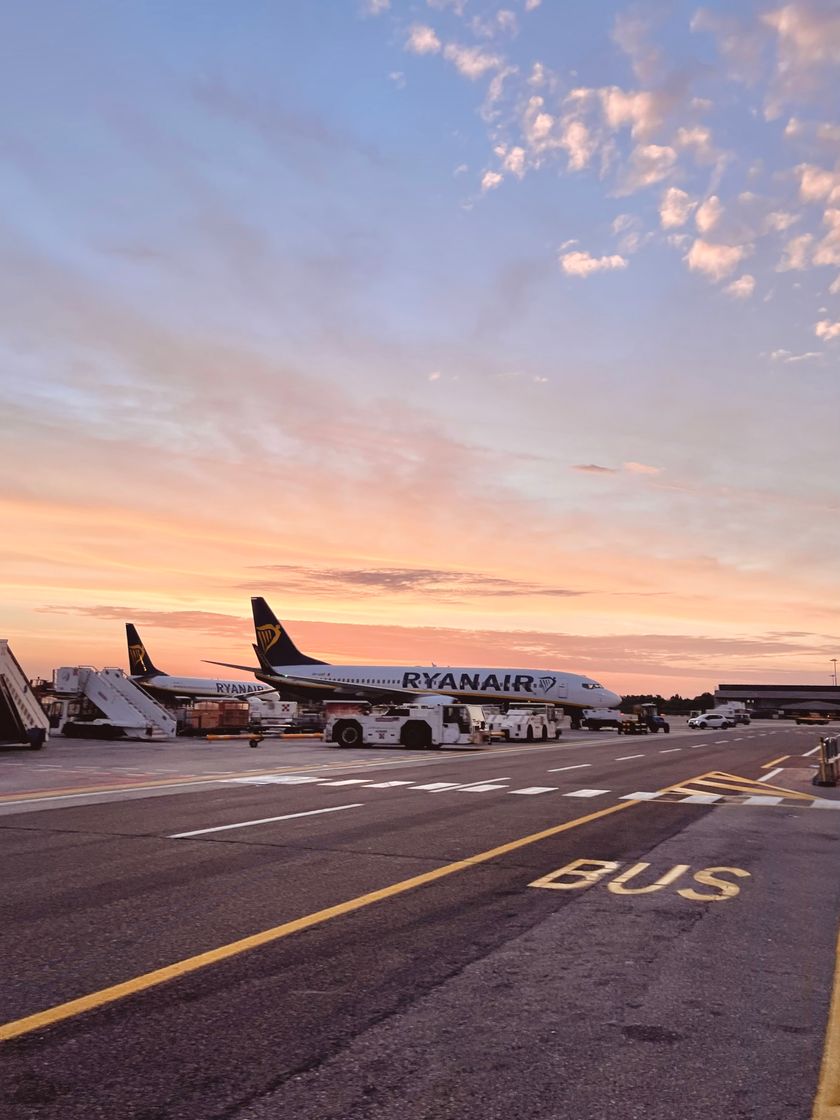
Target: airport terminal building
pixel 783 697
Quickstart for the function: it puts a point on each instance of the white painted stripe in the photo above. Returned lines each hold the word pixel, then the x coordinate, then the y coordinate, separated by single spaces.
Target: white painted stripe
pixel 700 799
pixel 824 803
pixel 479 789
pixel 348 782
pixel 265 820
pixel 483 782
pixel 625 757
pixel 671 750
pixel 586 793
pixel 807 754
pixel 639 797
pixel 535 789
pixel 388 785
pixel 763 799
pixel 716 741
pixel 273 779
pixel 772 774
pixel 579 766
pixel 440 785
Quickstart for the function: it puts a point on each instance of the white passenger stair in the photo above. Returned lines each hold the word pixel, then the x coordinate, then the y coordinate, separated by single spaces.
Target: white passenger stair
pixel 122 702
pixel 22 719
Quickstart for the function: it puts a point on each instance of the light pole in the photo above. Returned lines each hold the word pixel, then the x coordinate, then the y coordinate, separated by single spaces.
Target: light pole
pixel 833 661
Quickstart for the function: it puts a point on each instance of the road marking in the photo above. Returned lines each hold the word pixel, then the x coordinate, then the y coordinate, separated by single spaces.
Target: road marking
pixel 388 785
pixel 772 774
pixel 148 980
pixel 759 799
pixel 347 782
pixel 484 782
pixel 781 758
pixel 807 754
pixel 579 766
pixel 535 789
pixel 827 1100
pixel 824 803
pixel 439 785
pixel 671 750
pixel 264 820
pixel 586 793
pixel 485 788
pixel 625 757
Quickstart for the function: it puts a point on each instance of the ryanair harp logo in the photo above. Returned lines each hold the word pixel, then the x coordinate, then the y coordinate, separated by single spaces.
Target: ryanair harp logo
pixel 268 635
pixel 547 683
pixel 137 657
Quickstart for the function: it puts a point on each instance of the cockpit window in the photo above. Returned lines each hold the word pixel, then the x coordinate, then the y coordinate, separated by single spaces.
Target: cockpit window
pixel 592 684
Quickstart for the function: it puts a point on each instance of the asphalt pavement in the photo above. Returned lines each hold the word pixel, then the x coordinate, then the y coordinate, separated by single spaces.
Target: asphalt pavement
pixel 606 926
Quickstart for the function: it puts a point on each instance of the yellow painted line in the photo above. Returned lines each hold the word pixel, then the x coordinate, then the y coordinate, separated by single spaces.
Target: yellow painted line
pixel 770 765
pixel 745 785
pixel 827 1100
pixel 42 1019
pixel 74 1007
pixel 181 780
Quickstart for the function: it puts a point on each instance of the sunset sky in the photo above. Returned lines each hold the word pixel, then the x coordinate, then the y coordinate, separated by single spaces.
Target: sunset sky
pixel 468 332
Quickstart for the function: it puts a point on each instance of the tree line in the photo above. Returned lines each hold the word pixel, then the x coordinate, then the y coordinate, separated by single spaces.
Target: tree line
pixel 676 705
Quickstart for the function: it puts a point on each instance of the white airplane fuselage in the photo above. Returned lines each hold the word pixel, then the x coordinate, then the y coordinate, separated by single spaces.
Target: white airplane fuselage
pixel 201 688
pixel 468 684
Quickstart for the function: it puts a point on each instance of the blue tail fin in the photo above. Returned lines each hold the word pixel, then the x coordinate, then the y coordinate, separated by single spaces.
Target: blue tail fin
pixel 275 645
pixel 139 662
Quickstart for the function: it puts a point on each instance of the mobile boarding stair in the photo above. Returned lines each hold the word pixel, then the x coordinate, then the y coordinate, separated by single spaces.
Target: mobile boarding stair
pixel 127 711
pixel 22 719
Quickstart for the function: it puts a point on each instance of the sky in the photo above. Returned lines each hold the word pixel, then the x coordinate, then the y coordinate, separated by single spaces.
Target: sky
pixel 464 331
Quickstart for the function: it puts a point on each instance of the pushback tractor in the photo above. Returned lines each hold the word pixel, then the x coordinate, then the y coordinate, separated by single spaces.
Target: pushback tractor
pixel 414 726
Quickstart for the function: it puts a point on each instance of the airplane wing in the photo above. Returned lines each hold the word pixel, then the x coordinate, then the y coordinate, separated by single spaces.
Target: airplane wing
pixel 314 684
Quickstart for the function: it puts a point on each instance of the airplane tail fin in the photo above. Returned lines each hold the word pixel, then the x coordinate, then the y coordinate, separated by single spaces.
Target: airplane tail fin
pixel 139 662
pixel 274 646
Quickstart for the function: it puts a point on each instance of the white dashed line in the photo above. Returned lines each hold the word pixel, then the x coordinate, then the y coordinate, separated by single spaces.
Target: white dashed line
pixel 535 789
pixel 763 799
pixel 579 766
pixel 625 757
pixel 480 789
pixel 807 754
pixel 700 799
pixel 586 793
pixel 671 750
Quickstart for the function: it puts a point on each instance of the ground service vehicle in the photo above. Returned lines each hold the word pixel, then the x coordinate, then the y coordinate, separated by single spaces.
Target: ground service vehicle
pixel 412 725
pixel 529 722
pixel 710 720
pixel 735 713
pixel 811 717
pixel 596 719
pixel 642 719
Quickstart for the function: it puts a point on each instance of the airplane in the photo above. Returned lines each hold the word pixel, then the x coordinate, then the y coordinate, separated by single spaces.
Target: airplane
pixel 292 673
pixel 144 672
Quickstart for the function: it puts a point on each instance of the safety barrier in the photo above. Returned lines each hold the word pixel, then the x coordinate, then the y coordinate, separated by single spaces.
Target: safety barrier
pixel 829 764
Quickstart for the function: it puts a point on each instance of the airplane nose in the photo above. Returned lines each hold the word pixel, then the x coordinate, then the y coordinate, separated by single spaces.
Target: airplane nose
pixel 611 699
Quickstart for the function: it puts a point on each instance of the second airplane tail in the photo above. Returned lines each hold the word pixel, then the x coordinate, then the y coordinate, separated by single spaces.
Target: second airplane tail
pixel 139 662
pixel 274 646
